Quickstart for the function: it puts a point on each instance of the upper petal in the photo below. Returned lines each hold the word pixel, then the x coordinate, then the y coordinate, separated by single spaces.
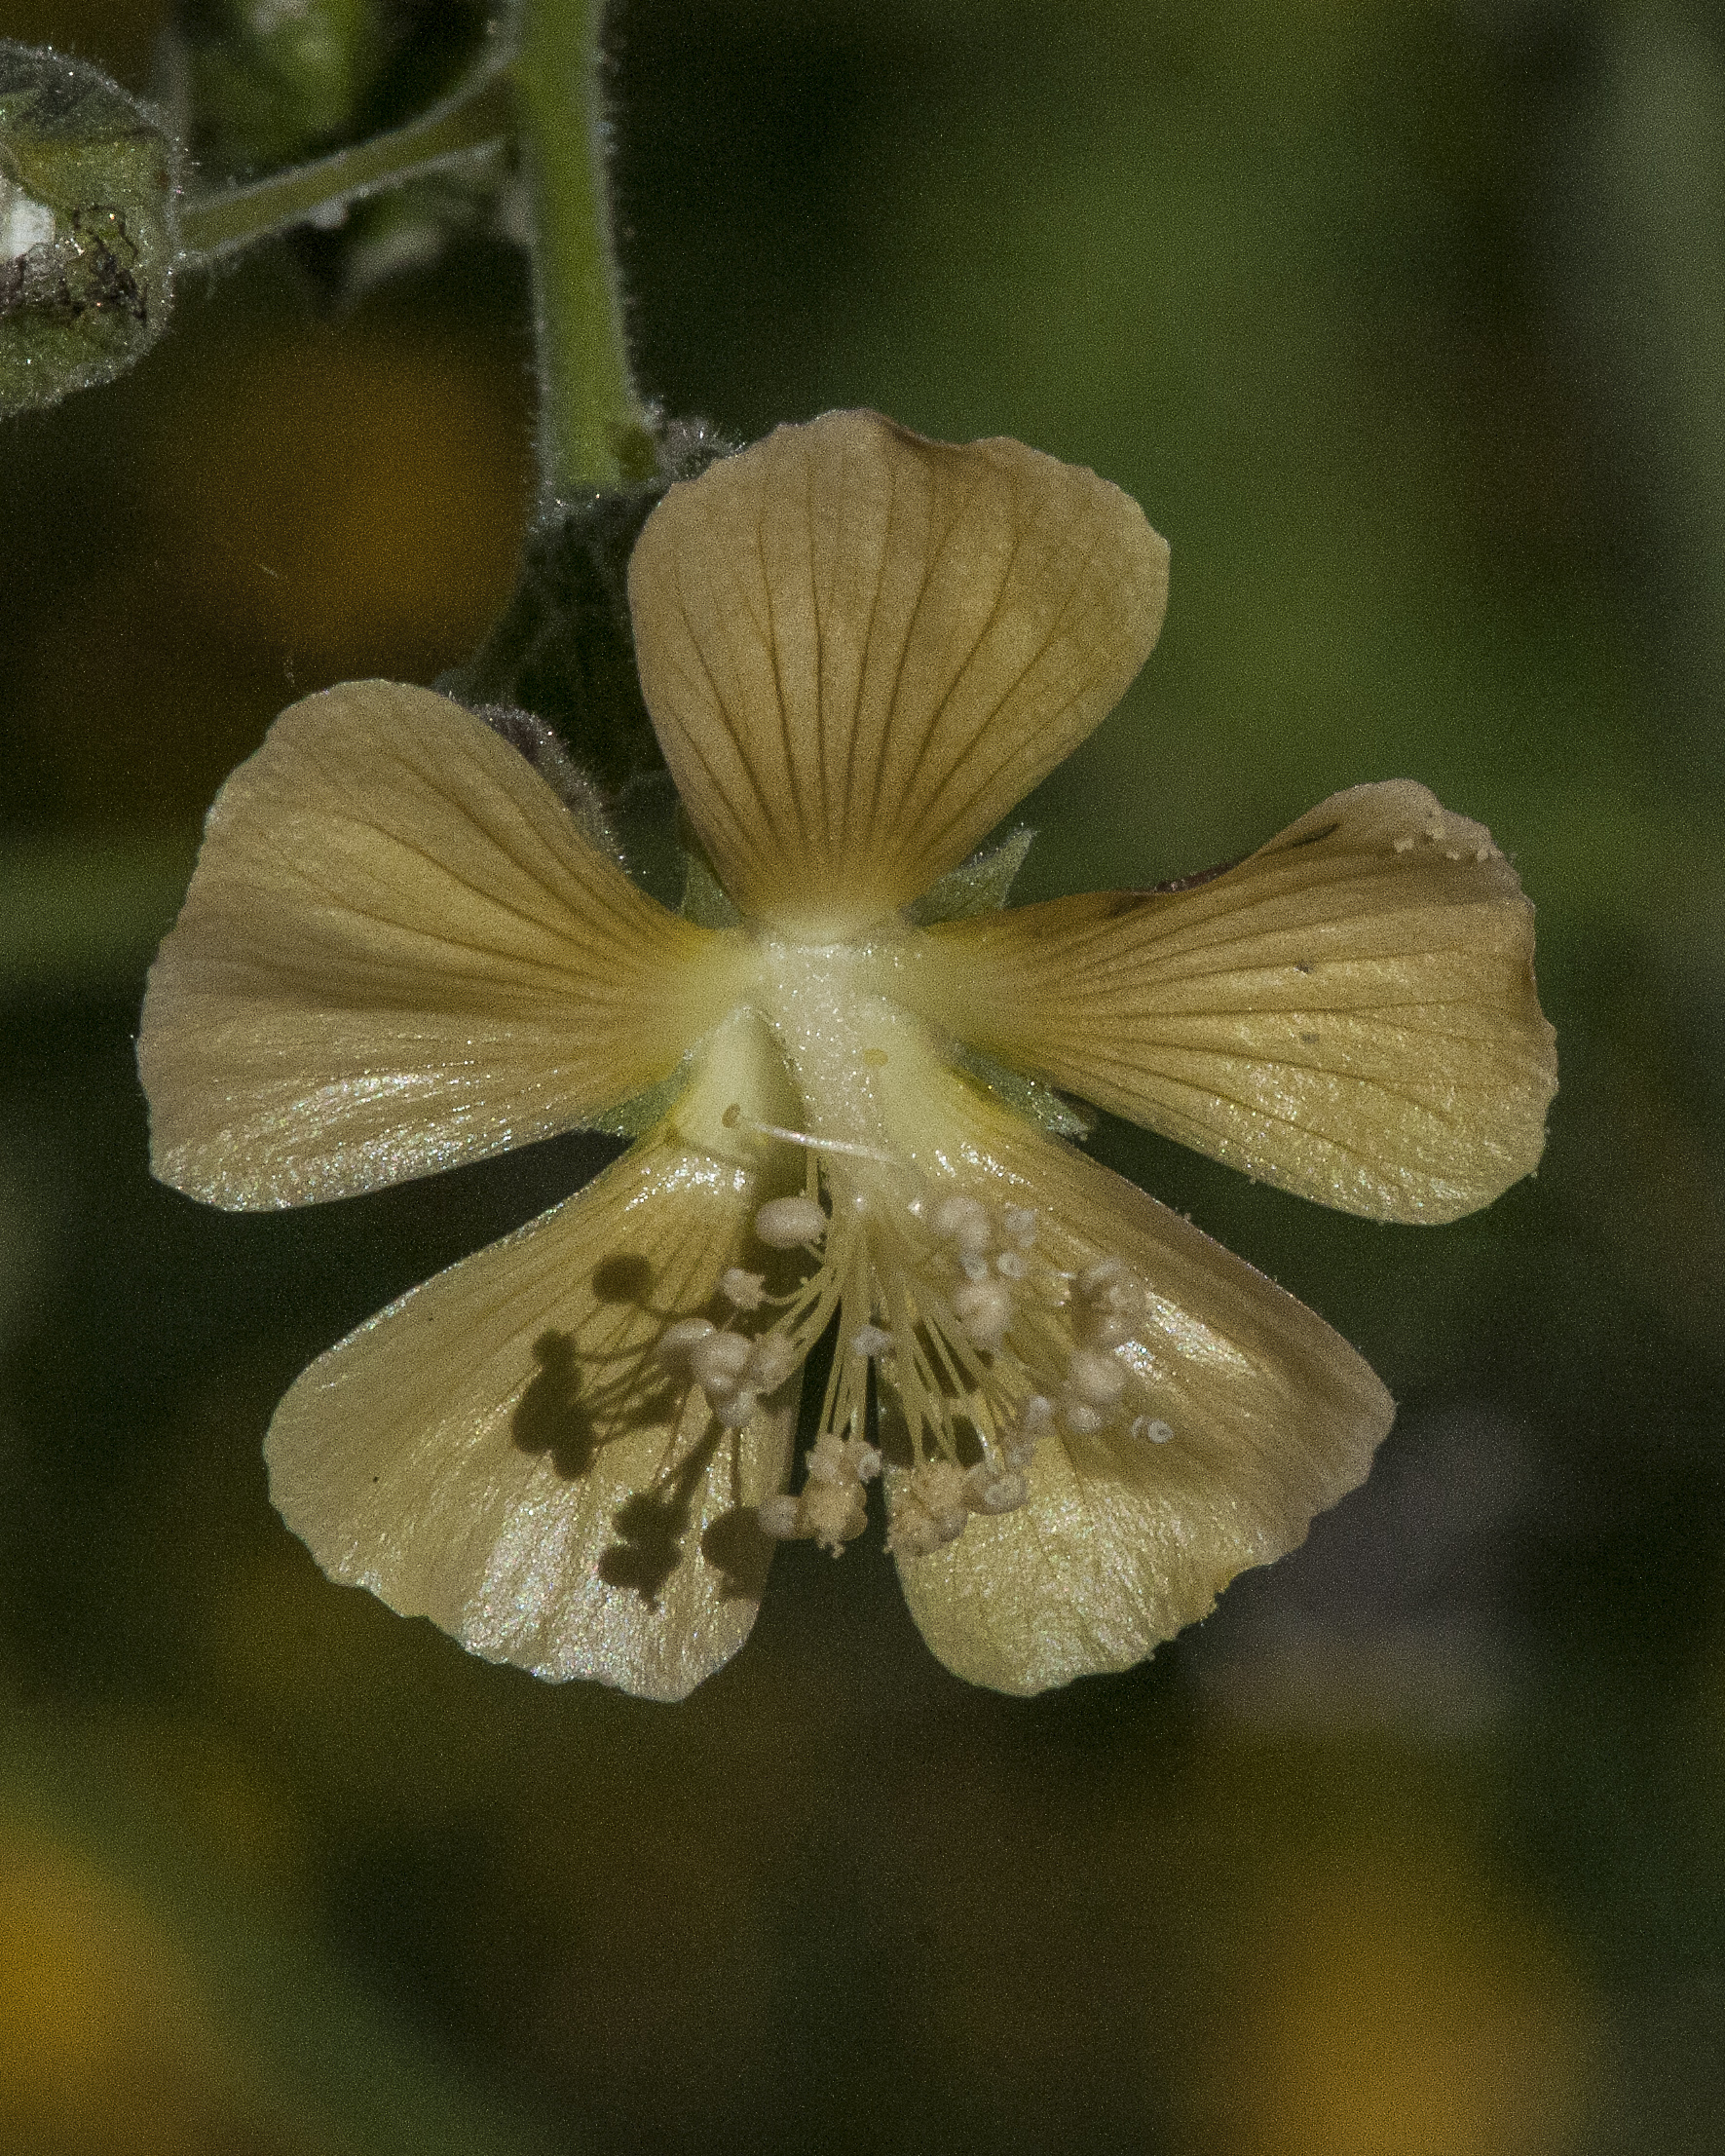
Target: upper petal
pixel 502 1450
pixel 399 952
pixel 1350 1012
pixel 860 649
pixel 1124 1540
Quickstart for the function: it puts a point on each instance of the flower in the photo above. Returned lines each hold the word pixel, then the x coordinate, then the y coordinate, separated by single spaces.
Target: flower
pixel 402 950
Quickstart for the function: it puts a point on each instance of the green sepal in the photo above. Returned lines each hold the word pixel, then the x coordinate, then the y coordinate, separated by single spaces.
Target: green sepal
pixel 87 228
pixel 564 647
pixel 705 900
pixel 572 785
pixel 1048 1110
pixel 644 1111
pixel 979 885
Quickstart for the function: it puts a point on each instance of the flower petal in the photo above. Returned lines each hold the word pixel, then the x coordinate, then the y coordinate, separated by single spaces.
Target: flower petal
pixel 501 1450
pixel 860 649
pixel 1350 1012
pixel 1124 1540
pixel 400 952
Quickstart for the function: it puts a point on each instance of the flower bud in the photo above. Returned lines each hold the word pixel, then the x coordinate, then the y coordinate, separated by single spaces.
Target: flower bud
pixel 87 228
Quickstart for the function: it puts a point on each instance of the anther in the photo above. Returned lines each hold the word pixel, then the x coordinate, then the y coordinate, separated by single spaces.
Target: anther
pixel 790 1223
pixel 963 1221
pixel 870 1341
pixel 743 1291
pixel 678 1342
pixel 1152 1431
pixel 781 1518
pixel 825 1458
pixel 1096 1378
pixel 834 1460
pixel 834 1513
pixel 984 1310
pixel 772 1360
pixel 931 1510
pixel 717 1362
pixel 1020 1224
pixel 994 1489
pixel 1018 1441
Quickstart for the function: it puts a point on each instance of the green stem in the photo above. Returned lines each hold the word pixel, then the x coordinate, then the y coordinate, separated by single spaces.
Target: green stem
pixel 478 118
pixel 594 432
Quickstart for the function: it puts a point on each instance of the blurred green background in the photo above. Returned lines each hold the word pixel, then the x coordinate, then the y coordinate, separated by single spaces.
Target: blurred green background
pixel 1406 321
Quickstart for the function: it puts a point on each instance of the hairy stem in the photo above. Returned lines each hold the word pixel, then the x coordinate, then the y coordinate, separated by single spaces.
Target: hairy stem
pixel 594 432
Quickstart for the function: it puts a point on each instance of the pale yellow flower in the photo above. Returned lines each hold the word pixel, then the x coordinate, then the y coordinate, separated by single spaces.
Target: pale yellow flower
pixel 403 950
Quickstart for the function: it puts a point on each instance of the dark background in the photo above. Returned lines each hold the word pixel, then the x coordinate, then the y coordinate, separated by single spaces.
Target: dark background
pixel 1406 321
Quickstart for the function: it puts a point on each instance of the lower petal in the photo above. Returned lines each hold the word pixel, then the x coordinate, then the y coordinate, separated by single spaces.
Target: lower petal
pixel 502 1452
pixel 1251 1417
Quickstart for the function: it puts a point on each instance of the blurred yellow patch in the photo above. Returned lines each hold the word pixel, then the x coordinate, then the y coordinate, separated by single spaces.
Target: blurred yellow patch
pixel 1391 2007
pixel 104 2041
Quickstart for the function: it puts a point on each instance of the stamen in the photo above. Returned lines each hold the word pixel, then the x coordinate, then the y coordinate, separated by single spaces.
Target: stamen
pixel 963 1221
pixel 1101 1280
pixel 772 1360
pixel 833 1458
pixel 743 1291
pixel 1019 1440
pixel 1096 1378
pixel 781 1517
pixel 790 1223
pixel 678 1342
pixel 930 1509
pixel 834 1513
pixel 831 1507
pixel 984 1310
pixel 994 1489
pixel 717 1361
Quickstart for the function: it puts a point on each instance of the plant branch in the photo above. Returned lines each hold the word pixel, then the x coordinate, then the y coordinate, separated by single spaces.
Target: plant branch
pixel 221 221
